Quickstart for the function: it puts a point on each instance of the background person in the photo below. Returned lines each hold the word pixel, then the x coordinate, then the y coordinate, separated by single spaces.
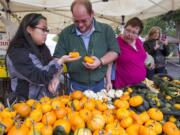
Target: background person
pixel 157 46
pixel 28 59
pixel 130 67
pixel 89 38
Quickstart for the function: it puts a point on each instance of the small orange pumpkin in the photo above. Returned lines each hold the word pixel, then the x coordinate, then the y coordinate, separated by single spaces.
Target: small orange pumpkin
pixel 126 122
pixel 30 102
pixel 23 109
pixel 136 118
pixel 56 103
pixel 114 128
pixel 76 122
pixel 96 122
pixel 125 97
pixel 88 60
pixel 101 106
pixel 49 118
pixel 64 124
pixel 144 117
pixel 76 105
pixel 85 114
pixel 47 130
pixel 60 113
pixel 77 94
pixel 155 114
pixel 74 54
pixel 146 130
pixel 108 118
pixel 90 105
pixel 121 103
pixel 136 101
pixel 170 128
pixel 46 108
pixel 7 122
pixel 155 126
pixel 122 113
pixel 18 130
pixel 133 129
pixel 36 115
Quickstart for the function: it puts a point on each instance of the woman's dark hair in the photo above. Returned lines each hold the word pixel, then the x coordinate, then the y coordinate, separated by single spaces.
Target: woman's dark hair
pixel 23 39
pixel 135 22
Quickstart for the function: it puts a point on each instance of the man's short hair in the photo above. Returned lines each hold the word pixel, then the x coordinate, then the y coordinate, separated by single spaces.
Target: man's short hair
pixel 86 3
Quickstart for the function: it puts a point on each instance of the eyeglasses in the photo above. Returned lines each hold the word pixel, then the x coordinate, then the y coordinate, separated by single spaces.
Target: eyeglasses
pixel 84 21
pixel 132 32
pixel 43 29
pixel 81 21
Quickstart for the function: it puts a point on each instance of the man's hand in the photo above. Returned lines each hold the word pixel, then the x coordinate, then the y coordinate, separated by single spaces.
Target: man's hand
pixel 108 86
pixel 93 66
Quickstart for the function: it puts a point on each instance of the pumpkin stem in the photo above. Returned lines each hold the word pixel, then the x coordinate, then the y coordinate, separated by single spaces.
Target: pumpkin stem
pixel 72 106
pixel 46 121
pixel 34 132
pixel 2 129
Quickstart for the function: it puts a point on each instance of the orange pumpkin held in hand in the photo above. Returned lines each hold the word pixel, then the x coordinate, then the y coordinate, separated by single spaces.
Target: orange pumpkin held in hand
pixel 74 54
pixel 88 59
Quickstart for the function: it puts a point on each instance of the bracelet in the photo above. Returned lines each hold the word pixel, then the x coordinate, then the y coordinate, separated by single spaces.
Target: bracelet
pixel 101 63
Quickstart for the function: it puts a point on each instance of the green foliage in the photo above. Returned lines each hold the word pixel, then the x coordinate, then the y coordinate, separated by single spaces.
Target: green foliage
pixel 117 30
pixel 55 38
pixel 166 22
pixel 158 21
pixel 155 21
pixel 171 16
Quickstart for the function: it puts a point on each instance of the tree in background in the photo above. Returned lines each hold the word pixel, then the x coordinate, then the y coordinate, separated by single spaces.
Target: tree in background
pixel 173 18
pixel 169 23
pixel 154 21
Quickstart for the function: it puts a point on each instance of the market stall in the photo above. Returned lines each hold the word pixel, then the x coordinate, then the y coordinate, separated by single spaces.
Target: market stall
pixel 150 108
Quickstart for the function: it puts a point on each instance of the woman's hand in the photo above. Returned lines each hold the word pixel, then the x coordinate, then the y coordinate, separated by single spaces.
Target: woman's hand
pixel 164 42
pixel 152 66
pixel 52 87
pixel 67 58
pixel 157 46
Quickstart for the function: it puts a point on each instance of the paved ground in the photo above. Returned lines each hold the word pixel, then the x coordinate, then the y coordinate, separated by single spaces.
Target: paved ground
pixel 173 67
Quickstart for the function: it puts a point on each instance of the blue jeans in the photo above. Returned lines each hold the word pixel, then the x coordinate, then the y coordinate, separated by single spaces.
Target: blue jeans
pixel 78 86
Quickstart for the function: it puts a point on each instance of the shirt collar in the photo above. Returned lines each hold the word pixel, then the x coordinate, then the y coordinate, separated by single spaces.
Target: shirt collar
pixel 86 33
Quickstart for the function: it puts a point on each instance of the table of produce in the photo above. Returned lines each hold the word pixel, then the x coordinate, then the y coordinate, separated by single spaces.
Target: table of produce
pixel 151 108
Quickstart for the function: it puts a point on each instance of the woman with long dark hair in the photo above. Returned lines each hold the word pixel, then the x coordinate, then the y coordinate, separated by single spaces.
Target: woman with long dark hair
pixel 28 59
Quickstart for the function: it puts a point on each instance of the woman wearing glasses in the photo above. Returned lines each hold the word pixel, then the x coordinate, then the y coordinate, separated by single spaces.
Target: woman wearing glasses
pixel 130 67
pixel 28 59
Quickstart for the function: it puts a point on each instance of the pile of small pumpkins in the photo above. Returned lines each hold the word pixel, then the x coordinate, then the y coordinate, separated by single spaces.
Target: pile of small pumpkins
pixel 79 115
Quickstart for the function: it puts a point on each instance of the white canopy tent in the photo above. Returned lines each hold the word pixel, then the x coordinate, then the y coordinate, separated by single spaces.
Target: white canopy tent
pixel 111 12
